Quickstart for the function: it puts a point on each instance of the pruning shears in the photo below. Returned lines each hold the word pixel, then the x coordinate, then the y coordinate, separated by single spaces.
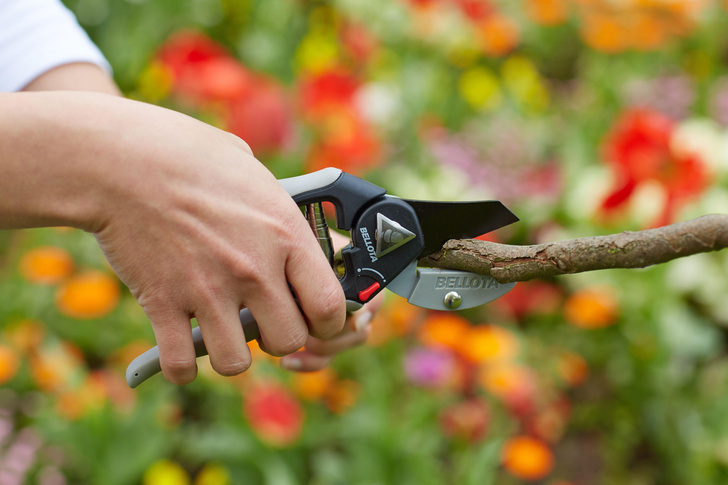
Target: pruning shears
pixel 388 237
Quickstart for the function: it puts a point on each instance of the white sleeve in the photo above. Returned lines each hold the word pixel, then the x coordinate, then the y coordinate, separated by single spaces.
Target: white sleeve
pixel 38 35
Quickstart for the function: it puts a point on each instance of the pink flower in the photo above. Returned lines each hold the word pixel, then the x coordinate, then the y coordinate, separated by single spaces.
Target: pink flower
pixel 429 367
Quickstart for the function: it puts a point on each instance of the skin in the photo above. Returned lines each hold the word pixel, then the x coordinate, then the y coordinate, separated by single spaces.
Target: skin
pixel 190 221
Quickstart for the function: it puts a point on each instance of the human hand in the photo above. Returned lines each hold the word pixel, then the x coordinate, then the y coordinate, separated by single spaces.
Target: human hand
pixel 195 226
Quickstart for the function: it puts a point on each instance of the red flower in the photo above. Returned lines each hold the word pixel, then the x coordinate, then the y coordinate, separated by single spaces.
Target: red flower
pixel 345 141
pixel 326 91
pixel 263 118
pixel 274 414
pixel 475 9
pixel 467 421
pixel 638 149
pixel 202 70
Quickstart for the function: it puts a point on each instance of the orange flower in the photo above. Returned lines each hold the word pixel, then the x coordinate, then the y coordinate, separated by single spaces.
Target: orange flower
pixel 527 458
pixel 342 396
pixel 395 319
pixel 274 414
pixel 9 363
pixel 53 369
pixel 591 308
pixel 507 380
pixel 572 367
pixel 488 343
pixel 603 33
pixel 89 396
pixel 442 329
pixel 46 265
pixel 89 295
pixel 313 386
pixel 497 35
pixel 24 335
pixel 547 12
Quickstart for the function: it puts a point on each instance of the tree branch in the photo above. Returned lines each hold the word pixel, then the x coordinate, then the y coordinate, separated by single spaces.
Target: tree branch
pixel 508 263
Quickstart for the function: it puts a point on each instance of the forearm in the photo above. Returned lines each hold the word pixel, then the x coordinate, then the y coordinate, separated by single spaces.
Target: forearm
pixel 78 76
pixel 47 177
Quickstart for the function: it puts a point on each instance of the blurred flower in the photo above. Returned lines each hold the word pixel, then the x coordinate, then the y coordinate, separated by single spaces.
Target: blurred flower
pixel 572 368
pixel 155 82
pixel 488 343
pixel 202 71
pixel 514 384
pixel 592 308
pixel 330 90
pixel 318 51
pixel 262 118
pixel 612 27
pixel 92 294
pixel 522 79
pixel 672 96
pixel 547 12
pixel 527 458
pixel 497 35
pixel 55 367
pixel 251 105
pixel 466 421
pixel 480 88
pixel 476 9
pixel 395 319
pixel 342 395
pixel 25 336
pixel 46 265
pixel 639 149
pixel 430 367
pixel 165 472
pixel 343 138
pixel 344 141
pixel 9 363
pixel 74 403
pixel 496 158
pixel 213 474
pixel 19 456
pixel 443 330
pixel 550 422
pixel 273 413
pixel 313 386
pixel 719 101
pixel 531 298
pixel 358 41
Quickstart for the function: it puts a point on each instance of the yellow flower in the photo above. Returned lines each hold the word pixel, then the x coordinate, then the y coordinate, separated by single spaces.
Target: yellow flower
pixel 165 472
pixel 479 87
pixel 213 474
pixel 523 80
pixel 317 52
pixel 155 82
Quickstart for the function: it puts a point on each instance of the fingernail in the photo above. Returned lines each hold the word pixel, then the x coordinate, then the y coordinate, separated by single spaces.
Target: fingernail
pixel 362 321
pixel 291 363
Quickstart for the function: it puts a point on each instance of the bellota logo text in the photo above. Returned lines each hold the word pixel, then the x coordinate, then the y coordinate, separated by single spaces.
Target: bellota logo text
pixel 368 243
pixel 464 282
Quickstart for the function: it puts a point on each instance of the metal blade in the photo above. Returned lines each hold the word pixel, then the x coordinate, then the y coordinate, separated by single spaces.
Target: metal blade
pixel 442 221
pixel 444 289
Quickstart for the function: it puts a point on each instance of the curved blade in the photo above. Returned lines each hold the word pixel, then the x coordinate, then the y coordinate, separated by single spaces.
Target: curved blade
pixel 442 221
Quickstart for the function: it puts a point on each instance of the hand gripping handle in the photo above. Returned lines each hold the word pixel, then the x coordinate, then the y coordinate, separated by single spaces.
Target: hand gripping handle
pixel 348 194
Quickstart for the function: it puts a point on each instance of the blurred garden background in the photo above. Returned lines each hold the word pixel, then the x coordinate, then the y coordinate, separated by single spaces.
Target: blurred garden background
pixel 585 117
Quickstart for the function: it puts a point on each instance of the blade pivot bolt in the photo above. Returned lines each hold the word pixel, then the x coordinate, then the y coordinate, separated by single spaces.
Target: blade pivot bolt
pixel 453 300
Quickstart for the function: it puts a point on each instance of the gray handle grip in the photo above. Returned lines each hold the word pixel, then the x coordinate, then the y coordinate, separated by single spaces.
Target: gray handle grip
pixel 147 364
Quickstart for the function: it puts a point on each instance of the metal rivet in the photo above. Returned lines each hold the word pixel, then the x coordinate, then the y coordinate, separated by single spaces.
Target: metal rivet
pixel 453 300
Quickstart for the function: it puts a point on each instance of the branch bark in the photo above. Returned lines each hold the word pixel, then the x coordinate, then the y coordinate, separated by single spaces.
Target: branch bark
pixel 509 263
